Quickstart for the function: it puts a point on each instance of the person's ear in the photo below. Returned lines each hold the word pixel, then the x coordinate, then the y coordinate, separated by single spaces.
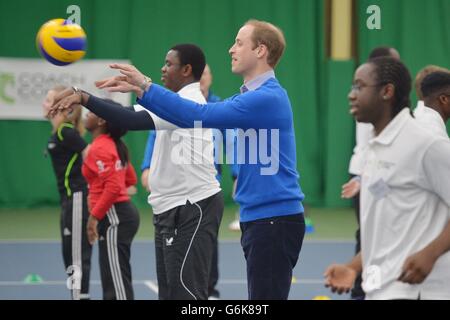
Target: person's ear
pixel 387 92
pixel 447 106
pixel 261 50
pixel 187 70
pixel 444 100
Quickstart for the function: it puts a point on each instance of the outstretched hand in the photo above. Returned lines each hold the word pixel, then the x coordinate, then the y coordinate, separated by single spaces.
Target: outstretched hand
pixel 131 80
pixel 118 84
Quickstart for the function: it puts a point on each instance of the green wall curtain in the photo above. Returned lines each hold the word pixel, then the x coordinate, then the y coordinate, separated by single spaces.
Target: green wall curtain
pixel 419 30
pixel 144 30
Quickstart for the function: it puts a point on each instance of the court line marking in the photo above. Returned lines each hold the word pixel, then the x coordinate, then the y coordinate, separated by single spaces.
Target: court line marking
pixel 54 241
pixel 151 284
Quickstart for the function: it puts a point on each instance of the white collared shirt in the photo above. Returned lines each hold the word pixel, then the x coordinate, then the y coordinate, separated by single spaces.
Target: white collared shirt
pixel 405 205
pixel 430 119
pixel 171 180
pixel 258 81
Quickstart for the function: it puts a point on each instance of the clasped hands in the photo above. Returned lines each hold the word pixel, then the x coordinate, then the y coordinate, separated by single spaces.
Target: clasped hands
pixel 130 80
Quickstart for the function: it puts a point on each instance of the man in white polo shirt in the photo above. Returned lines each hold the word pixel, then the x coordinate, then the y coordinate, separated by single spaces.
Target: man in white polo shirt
pixel 185 195
pixel 405 194
pixel 350 190
pixel 434 112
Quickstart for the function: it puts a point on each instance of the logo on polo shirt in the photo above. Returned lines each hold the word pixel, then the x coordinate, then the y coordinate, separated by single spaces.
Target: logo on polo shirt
pixel 385 164
pixel 372 278
pixel 169 242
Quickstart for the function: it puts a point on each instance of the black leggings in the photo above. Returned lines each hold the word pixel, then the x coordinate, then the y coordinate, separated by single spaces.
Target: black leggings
pixel 75 245
pixel 116 232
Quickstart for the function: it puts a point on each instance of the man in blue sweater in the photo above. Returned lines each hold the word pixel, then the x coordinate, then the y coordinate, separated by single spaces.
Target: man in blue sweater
pixel 268 190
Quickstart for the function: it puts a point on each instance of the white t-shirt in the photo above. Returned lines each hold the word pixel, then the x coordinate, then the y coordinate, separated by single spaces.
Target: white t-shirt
pixel 405 205
pixel 430 119
pixel 182 165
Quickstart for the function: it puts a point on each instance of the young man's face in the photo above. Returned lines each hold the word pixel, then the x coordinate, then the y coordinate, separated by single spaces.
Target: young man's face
pixel 171 72
pixel 243 52
pixel 364 97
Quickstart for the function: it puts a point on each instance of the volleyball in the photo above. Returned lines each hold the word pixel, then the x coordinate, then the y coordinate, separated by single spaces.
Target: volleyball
pixel 61 42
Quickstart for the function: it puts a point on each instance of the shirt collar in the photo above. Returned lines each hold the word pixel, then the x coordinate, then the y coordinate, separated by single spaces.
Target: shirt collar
pixel 393 128
pixel 194 86
pixel 257 82
pixel 423 109
pixel 420 104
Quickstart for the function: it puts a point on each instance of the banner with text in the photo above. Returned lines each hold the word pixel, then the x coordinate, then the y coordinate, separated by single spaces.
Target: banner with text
pixel 25 82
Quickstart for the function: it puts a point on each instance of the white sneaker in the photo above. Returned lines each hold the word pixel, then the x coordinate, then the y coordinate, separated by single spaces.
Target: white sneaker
pixel 234 225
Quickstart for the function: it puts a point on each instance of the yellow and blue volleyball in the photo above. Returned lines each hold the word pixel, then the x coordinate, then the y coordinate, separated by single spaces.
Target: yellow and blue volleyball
pixel 61 42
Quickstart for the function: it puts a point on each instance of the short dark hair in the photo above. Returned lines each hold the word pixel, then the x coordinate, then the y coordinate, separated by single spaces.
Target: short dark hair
pixel 193 55
pixel 380 52
pixel 422 74
pixel 389 70
pixel 435 82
